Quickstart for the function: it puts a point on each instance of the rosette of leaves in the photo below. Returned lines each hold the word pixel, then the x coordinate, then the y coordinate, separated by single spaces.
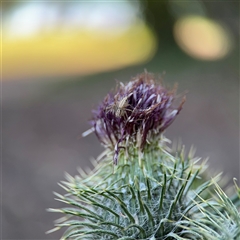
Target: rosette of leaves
pixel 139 187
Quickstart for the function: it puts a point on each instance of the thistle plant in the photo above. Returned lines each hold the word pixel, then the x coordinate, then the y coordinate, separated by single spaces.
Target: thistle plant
pixel 140 188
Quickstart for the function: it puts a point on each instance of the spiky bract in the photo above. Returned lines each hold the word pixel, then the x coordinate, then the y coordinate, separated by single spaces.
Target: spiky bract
pixel 157 200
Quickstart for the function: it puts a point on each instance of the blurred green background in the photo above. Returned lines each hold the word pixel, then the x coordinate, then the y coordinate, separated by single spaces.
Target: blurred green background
pixel 60 59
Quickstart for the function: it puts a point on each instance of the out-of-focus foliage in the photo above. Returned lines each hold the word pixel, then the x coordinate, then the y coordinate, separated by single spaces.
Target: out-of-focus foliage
pixel 42 39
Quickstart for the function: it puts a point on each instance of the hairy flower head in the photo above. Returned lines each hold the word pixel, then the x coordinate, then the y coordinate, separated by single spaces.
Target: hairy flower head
pixel 135 114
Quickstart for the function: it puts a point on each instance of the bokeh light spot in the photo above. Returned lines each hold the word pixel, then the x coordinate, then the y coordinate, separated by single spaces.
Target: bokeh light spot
pixel 202 38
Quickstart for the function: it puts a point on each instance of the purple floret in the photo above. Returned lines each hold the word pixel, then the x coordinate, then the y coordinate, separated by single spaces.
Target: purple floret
pixel 135 114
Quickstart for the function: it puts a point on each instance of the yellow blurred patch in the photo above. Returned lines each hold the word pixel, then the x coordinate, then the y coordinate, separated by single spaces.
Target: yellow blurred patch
pixel 75 53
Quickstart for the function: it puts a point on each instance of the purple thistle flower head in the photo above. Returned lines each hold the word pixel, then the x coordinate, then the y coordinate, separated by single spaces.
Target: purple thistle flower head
pixel 135 115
